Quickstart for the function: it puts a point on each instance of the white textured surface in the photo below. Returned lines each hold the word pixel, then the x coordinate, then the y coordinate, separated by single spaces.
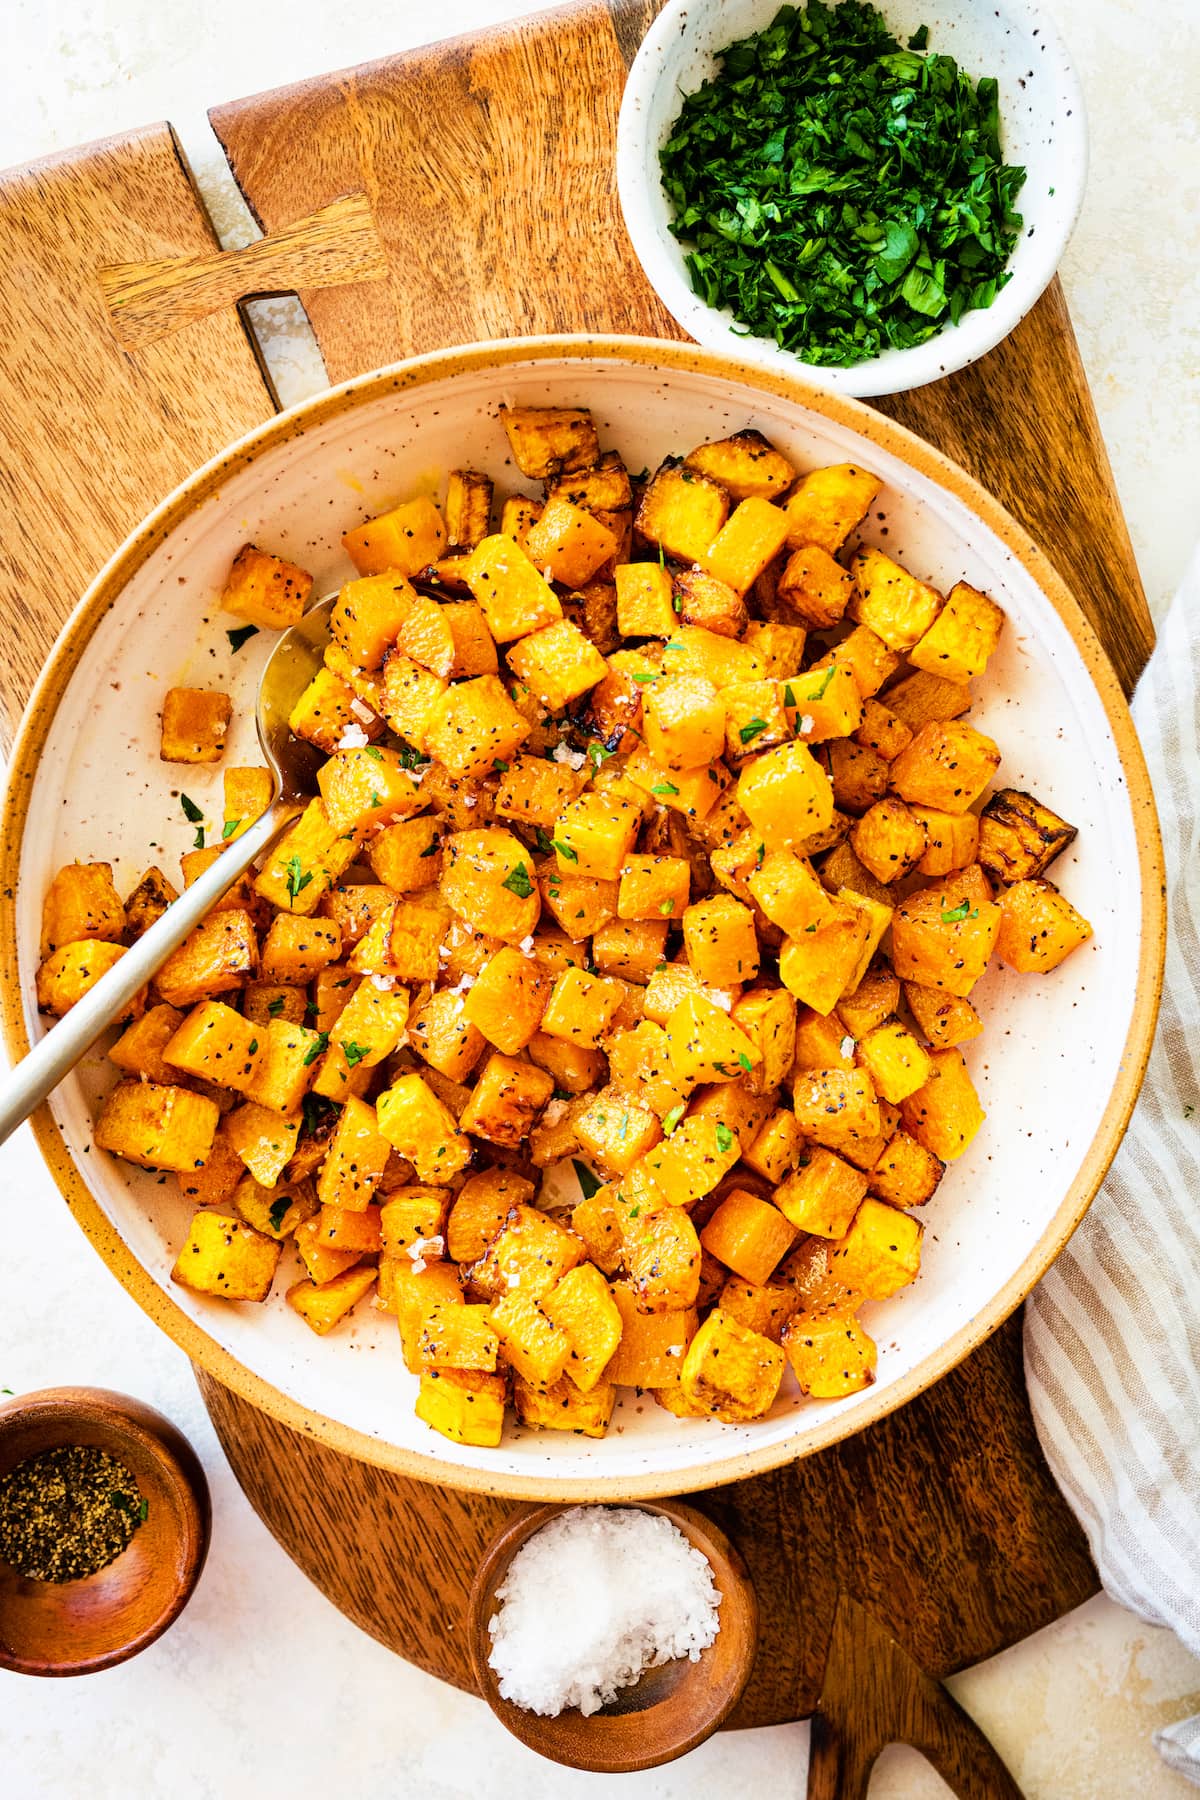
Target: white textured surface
pixel 216 1711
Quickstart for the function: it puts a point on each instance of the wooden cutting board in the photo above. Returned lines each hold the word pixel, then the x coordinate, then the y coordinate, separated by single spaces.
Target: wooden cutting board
pixel 486 166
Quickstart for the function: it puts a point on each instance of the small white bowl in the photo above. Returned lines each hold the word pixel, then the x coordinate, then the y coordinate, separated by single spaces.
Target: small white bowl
pixel 1043 128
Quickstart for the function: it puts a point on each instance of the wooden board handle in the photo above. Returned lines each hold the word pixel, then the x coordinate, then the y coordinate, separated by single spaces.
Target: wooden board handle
pixel 333 247
pixel 874 1695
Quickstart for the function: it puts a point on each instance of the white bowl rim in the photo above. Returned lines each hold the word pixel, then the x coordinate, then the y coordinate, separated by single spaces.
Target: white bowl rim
pixel 895 371
pixel 664 356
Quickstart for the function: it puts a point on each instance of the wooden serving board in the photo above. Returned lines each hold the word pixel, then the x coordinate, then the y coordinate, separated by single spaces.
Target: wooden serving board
pixel 490 210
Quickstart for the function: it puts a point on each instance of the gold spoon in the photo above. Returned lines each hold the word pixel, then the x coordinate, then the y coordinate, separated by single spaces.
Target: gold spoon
pixel 293 765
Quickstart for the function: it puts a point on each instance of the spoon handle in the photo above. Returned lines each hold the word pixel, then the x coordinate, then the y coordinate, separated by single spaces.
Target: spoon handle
pixel 55 1054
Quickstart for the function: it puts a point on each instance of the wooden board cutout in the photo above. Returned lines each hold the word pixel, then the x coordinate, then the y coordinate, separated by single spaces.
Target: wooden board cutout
pixel 92 438
pixel 489 163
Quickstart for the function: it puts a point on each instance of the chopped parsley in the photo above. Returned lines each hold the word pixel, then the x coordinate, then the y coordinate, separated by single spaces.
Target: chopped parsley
pixel 500 766
pixel 840 194
pixel 198 840
pixel 664 787
pixel 544 841
pixel 724 1138
pixel 230 827
pixel 745 1062
pixel 589 1183
pixel 241 635
pixel 957 913
pixel 297 880
pixel 279 1211
pixel 565 850
pixel 667 906
pixel 275 1006
pixel 517 882
pixel 317 1049
pixel 751 729
pixel 191 812
pixel 671 1119
pixel 374 751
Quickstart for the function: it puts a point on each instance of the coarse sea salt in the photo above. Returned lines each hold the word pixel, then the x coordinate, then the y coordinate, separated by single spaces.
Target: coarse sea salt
pixel 592 1600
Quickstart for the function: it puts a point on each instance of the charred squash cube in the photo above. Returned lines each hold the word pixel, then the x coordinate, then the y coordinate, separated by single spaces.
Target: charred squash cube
pixel 468 507
pixel 266 589
pixel 148 902
pixel 730 1372
pixel 224 1257
pixel 506 1100
pixel 708 604
pixel 1019 837
pixel 906 1174
pixel 1039 927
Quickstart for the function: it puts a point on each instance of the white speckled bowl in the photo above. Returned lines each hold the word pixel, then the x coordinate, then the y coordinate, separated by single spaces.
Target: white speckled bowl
pixel 1043 127
pixel 1060 1063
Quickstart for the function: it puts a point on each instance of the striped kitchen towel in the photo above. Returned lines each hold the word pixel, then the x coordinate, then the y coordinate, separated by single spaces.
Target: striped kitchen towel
pixel 1112 1332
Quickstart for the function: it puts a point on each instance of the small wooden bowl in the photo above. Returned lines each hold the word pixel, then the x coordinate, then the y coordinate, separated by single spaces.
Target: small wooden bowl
pixel 672 1708
pixel 74 1627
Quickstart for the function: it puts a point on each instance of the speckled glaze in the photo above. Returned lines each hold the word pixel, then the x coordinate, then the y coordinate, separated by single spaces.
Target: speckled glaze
pixel 1043 129
pixel 1060 1063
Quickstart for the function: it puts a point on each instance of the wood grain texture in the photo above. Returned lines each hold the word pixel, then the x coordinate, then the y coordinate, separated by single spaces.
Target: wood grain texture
pixel 942 1521
pixel 489 163
pixel 90 437
pixel 332 247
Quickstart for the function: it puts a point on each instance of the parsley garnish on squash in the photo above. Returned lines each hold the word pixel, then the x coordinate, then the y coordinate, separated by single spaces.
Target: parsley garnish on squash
pixel 838 193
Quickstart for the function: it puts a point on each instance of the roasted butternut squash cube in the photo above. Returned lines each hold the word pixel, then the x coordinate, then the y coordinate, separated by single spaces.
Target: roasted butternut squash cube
pixel 297 949
pixel 822 703
pixel 697 1154
pixel 692 792
pixel 534 791
pixel 322 1260
pixel 661 1258
pixel 720 941
pixel 408 695
pixel 638 1061
pixel 355 1160
pixel 487 879
pixel 508 999
pixel 894 1060
pixel 350 1228
pixel 323 1307
pixel 194 724
pixel 410 1289
pixel 372 955
pixel 264 1140
pixel 568 543
pixel 594 834
pixel 267 590
pixel 704 1044
pixel 423 1129
pixel 777 1148
pixel 443 1036
pixel 827 504
pixel 580 904
pixel 148 902
pixel 962 637
pixel 518 515
pixel 881 731
pixel 836 1108
pixel 366 684
pixel 248 794
pixel 480 1209
pixel 506 1100
pixel 942 937
pixel 905 1174
pixel 73 970
pixel 564 1407
pixel 868 659
pixel 733 1104
pixel 709 604
pixel 947 766
pixel 367 616
pixel 830 1354
pixel 751 537
pixel 305 864
pixel 597 1222
pixel 786 795
pixel 581 1008
pixel 788 892
pixel 645 607
pixel 711 655
pixel 1039 927
pixel 779 646
pixel 513 595
pixel 582 1305
pixel 654 887
pixel 405 540
pixel 892 603
pixel 215 1180
pixel 768 1017
pixel 454 1336
pixel 842 869
pixel 328 710
pixel 823 1194
pixel 277 1211
pixel 683 721
pixel 575 1069
pixel 614 709
pixel 1019 837
pixel 765 1308
pixel 407 856
pixel 138 1051
pixel 558 663
pixel 549 441
pixel 857 777
pixel 474 725
pixel 822 1042
pixel 746 465
pixel 468 507
pixel 730 1372
pixel 538 1350
pixel 822 962
pixel 875 999
pixel 367 787
pixel 355 907
pixel 157 1126
pixel 474 645
pixel 681 511
pixel 652 1345
pixel 220 955
pixel 889 840
pixel 748 1235
pixel 218 1045
pixel 755 718
pixel 944 1114
pixel 816 587
pixel 923 699
pixel 944 1019
pixel 465 1405
pixel 951 840
pixel 879 1254
pixel 224 1257
pixel 673 982
pixel 616 1128
pixel 81 902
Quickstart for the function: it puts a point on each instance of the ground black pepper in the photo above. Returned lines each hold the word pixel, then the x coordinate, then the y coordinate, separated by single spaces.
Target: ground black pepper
pixel 67 1513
